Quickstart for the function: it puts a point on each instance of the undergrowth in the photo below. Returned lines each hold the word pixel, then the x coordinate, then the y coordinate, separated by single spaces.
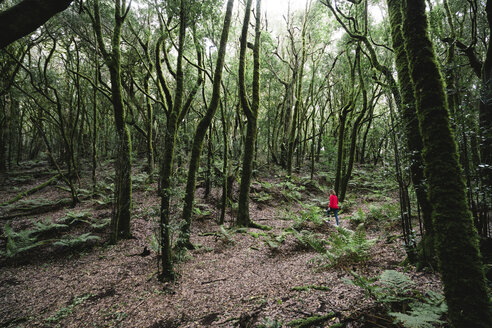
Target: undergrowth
pixel 19 242
pixel 396 293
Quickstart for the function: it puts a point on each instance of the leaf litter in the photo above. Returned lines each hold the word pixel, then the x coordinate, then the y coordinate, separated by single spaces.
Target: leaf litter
pixel 239 283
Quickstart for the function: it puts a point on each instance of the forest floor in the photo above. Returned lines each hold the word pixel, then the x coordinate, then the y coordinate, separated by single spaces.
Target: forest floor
pixel 234 278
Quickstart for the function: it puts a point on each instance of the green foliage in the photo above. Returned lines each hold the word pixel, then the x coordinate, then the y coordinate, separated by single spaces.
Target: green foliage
pixel 270 323
pixel 46 226
pixel 262 197
pixel 310 240
pixel 18 242
pixel 346 246
pixel 310 321
pixel 386 211
pixel 291 191
pixel 76 240
pixel 358 217
pixel 201 213
pixel 66 311
pixel 224 235
pixel 393 289
pixel 72 217
pixel 425 314
pixel 309 214
pixel 139 181
pixel 274 242
pixel 312 213
pixel 101 225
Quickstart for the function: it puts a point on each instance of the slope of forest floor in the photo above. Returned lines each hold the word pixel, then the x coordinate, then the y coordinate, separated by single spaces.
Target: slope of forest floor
pixel 234 278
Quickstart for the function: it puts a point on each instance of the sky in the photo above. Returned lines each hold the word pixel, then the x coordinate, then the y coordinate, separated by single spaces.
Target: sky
pixel 276 8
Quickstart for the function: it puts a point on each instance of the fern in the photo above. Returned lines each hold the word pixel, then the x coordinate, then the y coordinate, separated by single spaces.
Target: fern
pixel 66 311
pixel 348 246
pixel 47 226
pixel 359 217
pixel 274 242
pixel 72 217
pixel 308 239
pixel 395 289
pixel 270 323
pixel 18 242
pixel 75 241
pixel 423 314
pixel 225 235
pixel 312 213
pixel 101 225
pixel 262 197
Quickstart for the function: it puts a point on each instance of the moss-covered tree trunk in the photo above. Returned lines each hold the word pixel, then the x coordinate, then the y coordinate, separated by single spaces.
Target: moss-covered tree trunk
pixel 347 108
pixel 411 129
pixel 150 131
pixel 354 132
pixel 225 163
pixel 251 111
pixel 340 146
pixel 201 131
pixel 95 121
pixel 486 118
pixel 167 160
pixel 120 221
pixel 456 238
pixel 4 131
pixel 166 168
pixel 298 105
pixel 176 109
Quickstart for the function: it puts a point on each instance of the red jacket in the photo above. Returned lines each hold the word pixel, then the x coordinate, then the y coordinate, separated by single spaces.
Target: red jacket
pixel 333 202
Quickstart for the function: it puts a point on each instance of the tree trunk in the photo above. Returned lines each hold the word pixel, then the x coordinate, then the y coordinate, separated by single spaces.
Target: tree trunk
pixel 201 131
pixel 412 132
pixel 355 129
pixel 150 131
pixel 485 119
pixel 251 112
pixel 456 238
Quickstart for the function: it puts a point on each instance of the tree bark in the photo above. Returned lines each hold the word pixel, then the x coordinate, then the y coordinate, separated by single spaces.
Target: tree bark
pixel 201 131
pixel 26 17
pixel 251 111
pixel 412 132
pixel 120 221
pixel 459 259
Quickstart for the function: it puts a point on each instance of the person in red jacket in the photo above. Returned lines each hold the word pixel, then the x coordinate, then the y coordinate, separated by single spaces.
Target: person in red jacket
pixel 334 204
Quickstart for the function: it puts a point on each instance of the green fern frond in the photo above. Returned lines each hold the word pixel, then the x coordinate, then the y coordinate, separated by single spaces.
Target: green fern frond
pixel 348 246
pixel 77 240
pixel 422 315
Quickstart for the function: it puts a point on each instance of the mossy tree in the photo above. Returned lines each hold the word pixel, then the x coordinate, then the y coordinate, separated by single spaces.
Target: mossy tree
pixel 456 238
pixel 120 221
pixel 175 107
pixel 250 110
pixel 411 128
pixel 201 130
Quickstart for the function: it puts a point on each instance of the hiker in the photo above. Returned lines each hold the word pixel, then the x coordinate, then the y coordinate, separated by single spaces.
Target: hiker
pixel 333 206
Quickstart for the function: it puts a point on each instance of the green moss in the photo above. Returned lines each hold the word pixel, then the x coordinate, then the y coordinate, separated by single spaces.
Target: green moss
pixel 310 321
pixel 456 238
pixel 411 125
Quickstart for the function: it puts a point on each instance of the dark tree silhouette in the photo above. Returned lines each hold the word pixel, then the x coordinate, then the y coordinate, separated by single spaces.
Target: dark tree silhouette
pixel 26 17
